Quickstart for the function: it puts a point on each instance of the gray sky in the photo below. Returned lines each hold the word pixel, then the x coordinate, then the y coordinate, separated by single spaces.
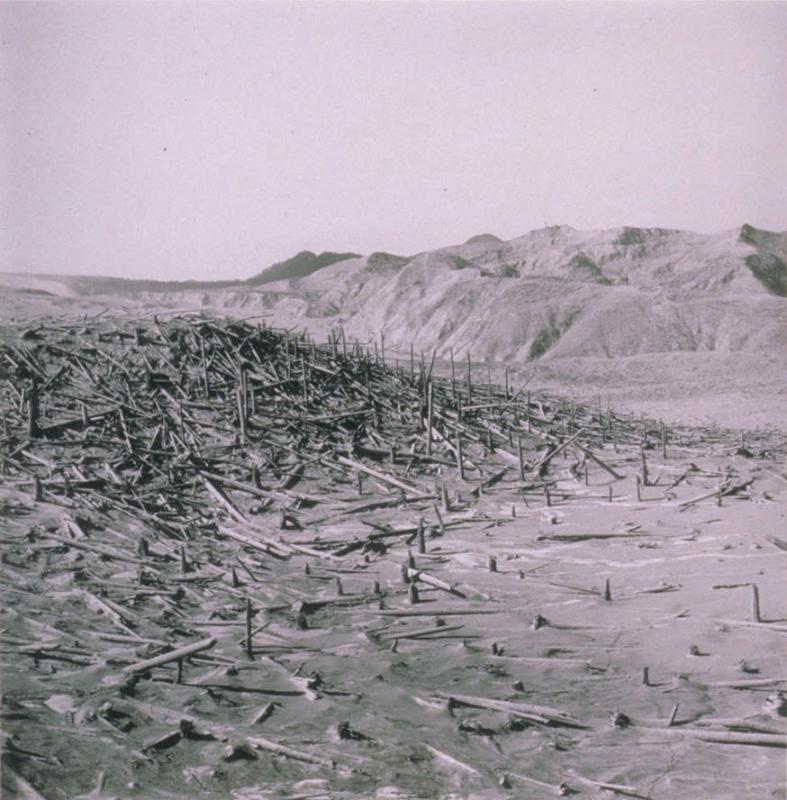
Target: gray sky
pixel 210 140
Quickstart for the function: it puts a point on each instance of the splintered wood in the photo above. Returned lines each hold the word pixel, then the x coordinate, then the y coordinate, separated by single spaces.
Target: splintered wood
pixel 239 563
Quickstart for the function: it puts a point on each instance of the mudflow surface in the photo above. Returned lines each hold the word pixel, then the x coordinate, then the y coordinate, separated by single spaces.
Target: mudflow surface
pixel 239 565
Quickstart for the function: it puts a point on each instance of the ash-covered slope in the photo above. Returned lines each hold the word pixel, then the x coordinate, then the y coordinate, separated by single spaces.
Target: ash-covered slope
pixel 558 292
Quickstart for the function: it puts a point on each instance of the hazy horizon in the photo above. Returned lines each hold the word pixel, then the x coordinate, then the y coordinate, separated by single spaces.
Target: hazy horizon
pixel 208 141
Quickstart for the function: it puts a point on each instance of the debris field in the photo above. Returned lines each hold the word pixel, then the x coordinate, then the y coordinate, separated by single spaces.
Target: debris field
pixel 237 563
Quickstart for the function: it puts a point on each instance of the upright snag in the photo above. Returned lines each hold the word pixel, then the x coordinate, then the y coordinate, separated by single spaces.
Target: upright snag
pixel 249 615
pixel 469 380
pixel 644 464
pixel 755 603
pixel 241 412
pixel 521 455
pixel 421 537
pixel 459 456
pixel 607 591
pixel 305 381
pixel 429 412
pixel 33 409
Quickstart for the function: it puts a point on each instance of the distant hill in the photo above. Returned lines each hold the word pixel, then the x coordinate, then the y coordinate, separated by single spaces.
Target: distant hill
pixel 299 266
pixel 484 238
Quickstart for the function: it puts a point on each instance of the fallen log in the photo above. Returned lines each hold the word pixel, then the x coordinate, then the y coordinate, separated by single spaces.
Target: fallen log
pixel 727 737
pixel 425 577
pixel 525 710
pixel 288 752
pixel 381 476
pixel 172 655
pixel 419 633
pixel 265 545
pixel 593 457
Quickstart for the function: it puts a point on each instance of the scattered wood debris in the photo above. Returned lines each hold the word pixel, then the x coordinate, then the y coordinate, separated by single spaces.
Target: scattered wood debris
pixel 229 553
